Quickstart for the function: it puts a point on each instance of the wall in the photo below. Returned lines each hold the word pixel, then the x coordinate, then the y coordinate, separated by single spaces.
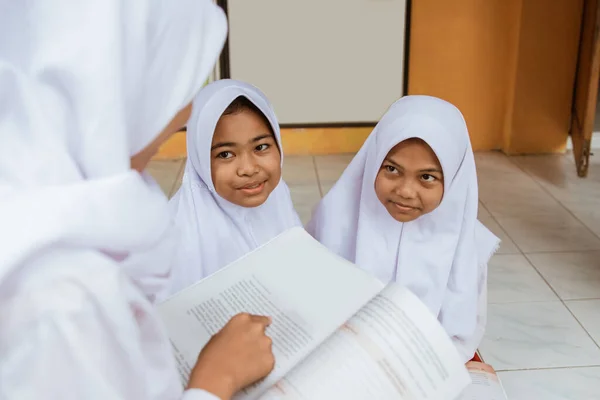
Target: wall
pixel 509 65
pixel 320 62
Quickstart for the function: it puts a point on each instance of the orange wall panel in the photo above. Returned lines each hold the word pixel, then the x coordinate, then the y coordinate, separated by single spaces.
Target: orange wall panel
pixel 508 65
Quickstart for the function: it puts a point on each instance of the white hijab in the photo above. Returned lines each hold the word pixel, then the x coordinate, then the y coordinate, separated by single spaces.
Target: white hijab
pixel 215 232
pixel 441 256
pixel 85 85
pixel 71 117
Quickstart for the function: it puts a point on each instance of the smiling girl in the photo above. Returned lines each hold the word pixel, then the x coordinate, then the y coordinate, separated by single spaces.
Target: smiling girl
pixel 232 198
pixel 405 210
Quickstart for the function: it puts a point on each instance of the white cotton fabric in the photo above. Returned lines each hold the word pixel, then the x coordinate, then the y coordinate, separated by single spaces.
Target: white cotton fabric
pixel 213 231
pixel 442 256
pixel 84 86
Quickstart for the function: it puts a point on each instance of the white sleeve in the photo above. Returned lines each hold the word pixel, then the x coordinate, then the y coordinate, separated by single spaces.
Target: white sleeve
pixel 79 359
pixel 47 363
pixel 81 338
pixel 70 358
pixel 487 244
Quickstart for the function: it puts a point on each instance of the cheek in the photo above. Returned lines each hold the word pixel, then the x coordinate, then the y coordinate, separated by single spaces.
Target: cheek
pixel 272 164
pixel 382 187
pixel 433 198
pixel 220 173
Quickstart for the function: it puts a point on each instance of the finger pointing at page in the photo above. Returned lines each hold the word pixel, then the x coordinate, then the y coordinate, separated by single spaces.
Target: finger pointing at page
pixel 237 356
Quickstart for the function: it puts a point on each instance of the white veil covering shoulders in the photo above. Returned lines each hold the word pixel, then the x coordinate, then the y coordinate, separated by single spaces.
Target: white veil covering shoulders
pixel 213 231
pixel 83 87
pixel 441 256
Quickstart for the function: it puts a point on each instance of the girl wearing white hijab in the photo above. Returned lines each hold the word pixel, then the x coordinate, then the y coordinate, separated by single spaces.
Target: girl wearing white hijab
pixel 232 199
pixel 405 210
pixel 86 89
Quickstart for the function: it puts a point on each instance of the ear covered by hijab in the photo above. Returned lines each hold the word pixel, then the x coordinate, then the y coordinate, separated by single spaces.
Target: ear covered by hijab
pixel 441 256
pixel 73 111
pixel 234 230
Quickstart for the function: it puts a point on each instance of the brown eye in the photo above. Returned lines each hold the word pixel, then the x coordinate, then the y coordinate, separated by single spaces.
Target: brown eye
pixel 428 178
pixel 225 154
pixel 262 147
pixel 390 168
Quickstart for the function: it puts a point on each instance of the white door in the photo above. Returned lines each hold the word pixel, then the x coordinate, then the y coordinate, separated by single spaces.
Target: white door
pixel 320 61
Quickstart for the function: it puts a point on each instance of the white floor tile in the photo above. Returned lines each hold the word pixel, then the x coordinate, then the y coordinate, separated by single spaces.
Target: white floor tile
pixel 515 195
pixel 165 173
pixel 536 335
pixel 494 161
pixel 330 168
pixel 553 384
pixel 588 214
pixel 512 279
pixel 482 212
pixel 558 232
pixel 588 314
pixel 299 170
pixel 507 246
pixel 305 198
pixel 571 275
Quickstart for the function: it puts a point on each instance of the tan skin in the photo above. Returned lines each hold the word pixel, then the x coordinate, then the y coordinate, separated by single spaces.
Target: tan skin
pixel 241 353
pixel 245 161
pixel 410 182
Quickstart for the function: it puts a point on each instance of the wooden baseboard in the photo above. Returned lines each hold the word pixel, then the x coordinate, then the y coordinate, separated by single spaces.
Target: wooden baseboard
pixel 296 141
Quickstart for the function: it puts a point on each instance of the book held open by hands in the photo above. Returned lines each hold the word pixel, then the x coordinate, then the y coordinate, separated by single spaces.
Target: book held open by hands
pixel 338 332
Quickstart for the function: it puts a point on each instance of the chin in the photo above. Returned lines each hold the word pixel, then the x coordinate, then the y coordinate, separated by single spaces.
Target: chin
pixel 403 217
pixel 252 202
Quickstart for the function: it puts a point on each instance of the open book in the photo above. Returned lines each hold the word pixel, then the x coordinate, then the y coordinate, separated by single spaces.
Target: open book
pixel 338 333
pixel 485 384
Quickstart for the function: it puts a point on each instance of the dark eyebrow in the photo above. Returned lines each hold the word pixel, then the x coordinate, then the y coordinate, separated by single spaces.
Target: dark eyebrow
pixel 395 164
pixel 261 137
pixel 231 144
pixel 423 171
pixel 225 144
pixel 429 170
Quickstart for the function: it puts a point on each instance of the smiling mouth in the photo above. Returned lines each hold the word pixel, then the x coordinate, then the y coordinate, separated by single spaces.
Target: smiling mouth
pixel 404 208
pixel 253 188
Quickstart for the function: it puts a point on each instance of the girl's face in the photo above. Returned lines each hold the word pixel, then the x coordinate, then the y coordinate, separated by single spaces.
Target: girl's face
pixel 410 182
pixel 244 159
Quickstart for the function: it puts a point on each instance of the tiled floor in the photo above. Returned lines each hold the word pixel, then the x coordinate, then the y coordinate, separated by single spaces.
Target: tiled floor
pixel 543 332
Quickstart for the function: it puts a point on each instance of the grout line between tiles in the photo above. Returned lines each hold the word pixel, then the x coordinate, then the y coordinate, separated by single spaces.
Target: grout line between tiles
pixel 507 234
pixel 548 368
pixel 562 301
pixel 597 343
pixel 582 326
pixel 489 214
pixel 179 171
pixel 562 251
pixel 528 302
pixel 549 193
pixel 582 299
pixel 314 160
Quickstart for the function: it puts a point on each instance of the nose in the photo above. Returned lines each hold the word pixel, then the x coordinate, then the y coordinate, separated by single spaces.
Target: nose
pixel 248 166
pixel 406 189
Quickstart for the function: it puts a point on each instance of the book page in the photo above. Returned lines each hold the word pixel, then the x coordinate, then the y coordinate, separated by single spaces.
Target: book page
pixel 306 289
pixel 393 348
pixel 485 384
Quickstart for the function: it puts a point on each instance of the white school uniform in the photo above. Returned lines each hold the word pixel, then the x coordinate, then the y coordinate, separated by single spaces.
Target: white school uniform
pixel 213 231
pixel 85 85
pixel 441 256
